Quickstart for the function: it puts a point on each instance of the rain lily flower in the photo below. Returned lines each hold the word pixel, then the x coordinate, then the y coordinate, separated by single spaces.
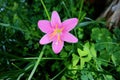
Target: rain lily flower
pixel 57 32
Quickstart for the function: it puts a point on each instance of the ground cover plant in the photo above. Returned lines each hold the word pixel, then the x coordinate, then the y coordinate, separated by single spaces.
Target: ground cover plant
pixel 91 51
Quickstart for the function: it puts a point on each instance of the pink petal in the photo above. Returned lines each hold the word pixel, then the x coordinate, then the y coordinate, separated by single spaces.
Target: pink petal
pixel 69 38
pixel 44 26
pixel 45 39
pixel 69 24
pixel 55 19
pixel 57 46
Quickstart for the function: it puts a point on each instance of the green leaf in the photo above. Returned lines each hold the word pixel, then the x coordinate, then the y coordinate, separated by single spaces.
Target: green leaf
pixel 84 77
pixel 93 51
pixel 101 35
pixel 109 77
pixel 80 33
pixel 90 76
pixel 86 47
pixel 82 24
pixel 113 59
pixel 116 57
pixel 104 56
pixel 75 59
pixel 82 63
pixel 118 68
pixel 63 78
pixel 74 68
pixel 87 58
pixel 86 54
pixel 81 53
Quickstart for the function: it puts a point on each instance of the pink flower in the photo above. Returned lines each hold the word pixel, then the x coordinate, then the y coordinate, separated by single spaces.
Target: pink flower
pixel 57 32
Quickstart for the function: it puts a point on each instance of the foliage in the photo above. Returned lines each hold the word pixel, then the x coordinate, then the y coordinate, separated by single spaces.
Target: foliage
pixel 94 57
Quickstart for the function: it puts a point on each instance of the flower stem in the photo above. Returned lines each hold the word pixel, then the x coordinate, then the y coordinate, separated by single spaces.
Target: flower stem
pixel 45 9
pixel 37 63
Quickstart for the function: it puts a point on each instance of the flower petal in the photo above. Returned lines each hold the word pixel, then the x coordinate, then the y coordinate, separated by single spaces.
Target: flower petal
pixel 45 39
pixel 44 26
pixel 69 38
pixel 69 24
pixel 57 46
pixel 55 19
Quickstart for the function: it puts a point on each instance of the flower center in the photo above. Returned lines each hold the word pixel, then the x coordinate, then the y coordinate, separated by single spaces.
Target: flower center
pixel 57 32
